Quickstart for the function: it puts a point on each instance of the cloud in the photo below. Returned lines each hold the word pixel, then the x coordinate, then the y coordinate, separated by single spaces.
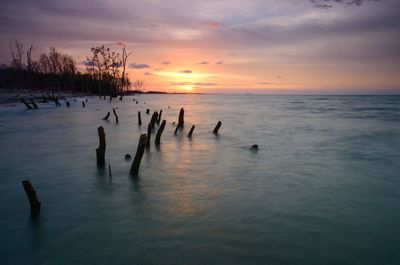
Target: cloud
pixel 158 69
pixel 148 73
pixel 212 24
pixel 264 83
pixel 219 62
pixel 192 84
pixel 325 4
pixel 186 71
pixel 203 62
pixel 166 62
pixel 120 43
pixel 88 63
pixel 138 66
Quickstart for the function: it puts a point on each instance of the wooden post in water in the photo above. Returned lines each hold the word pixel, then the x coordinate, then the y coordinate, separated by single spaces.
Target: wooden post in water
pixel 33 199
pixel 101 150
pixel 116 116
pixel 160 131
pixel 148 111
pixel 34 104
pixel 139 154
pixel 176 129
pixel 26 104
pixel 181 118
pixel 139 118
pixel 217 127
pixel 190 132
pixel 159 117
pixel 109 171
pixel 148 135
pixel 154 119
pixel 106 117
pixel 83 103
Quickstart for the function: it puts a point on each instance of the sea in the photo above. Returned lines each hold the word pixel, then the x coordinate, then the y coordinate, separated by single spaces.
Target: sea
pixel 322 188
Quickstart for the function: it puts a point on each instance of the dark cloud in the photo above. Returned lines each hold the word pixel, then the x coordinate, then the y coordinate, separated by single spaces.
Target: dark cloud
pixel 199 84
pixel 138 66
pixel 203 62
pixel 148 73
pixel 186 71
pixel 325 4
pixel 264 83
pixel 166 62
pixel 158 69
pixel 219 62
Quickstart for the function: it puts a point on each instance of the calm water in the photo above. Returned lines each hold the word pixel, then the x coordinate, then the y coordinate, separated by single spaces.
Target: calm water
pixel 324 188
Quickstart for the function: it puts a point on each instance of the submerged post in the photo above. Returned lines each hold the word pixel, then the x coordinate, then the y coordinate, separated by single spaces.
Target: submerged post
pixel 34 104
pixel 139 154
pixel 106 117
pixel 159 117
pixel 181 118
pixel 139 118
pixel 26 104
pixel 160 131
pixel 217 127
pixel 148 135
pixel 116 116
pixel 83 103
pixel 101 150
pixel 33 199
pixel 190 132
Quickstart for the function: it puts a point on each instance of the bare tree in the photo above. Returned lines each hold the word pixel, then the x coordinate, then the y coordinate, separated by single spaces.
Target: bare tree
pixel 17 52
pixel 125 56
pixel 138 84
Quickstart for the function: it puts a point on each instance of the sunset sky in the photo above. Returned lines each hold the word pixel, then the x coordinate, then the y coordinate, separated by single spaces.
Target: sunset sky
pixel 221 46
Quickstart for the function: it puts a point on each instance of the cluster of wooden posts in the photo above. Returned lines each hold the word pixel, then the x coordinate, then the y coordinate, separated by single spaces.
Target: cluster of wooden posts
pixel 144 139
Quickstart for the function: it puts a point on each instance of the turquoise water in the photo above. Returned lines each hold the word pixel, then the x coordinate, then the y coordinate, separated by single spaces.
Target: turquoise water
pixel 324 187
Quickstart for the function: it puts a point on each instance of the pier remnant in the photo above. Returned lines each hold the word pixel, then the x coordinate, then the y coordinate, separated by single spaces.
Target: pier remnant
pixel 26 104
pixel 148 135
pixel 191 131
pixel 101 150
pixel 159 117
pixel 139 154
pixel 109 171
pixel 181 118
pixel 148 111
pixel 154 118
pixel 83 103
pixel 217 127
pixel 139 118
pixel 33 199
pixel 254 148
pixel 116 116
pixel 160 131
pixel 34 104
pixel 176 129
pixel 106 117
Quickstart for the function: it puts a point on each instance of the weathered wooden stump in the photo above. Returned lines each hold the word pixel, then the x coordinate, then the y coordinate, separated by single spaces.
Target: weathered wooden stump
pixel 139 118
pixel 217 127
pixel 116 116
pixel 106 117
pixel 160 131
pixel 68 104
pixel 34 104
pixel 26 104
pixel 148 135
pixel 181 118
pixel 33 199
pixel 254 148
pixel 148 111
pixel 109 171
pixel 159 117
pixel 191 131
pixel 83 104
pixel 176 129
pixel 139 154
pixel 101 150
pixel 154 118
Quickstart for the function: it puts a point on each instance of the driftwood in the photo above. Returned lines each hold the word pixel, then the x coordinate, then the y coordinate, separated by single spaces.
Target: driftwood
pixel 139 154
pixel 33 199
pixel 101 150
pixel 217 127
pixel 34 104
pixel 191 131
pixel 139 118
pixel 106 117
pixel 160 131
pixel 116 116
pixel 26 104
pixel 181 118
pixel 148 135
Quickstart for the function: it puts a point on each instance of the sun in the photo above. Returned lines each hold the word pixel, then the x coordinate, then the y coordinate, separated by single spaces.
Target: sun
pixel 188 87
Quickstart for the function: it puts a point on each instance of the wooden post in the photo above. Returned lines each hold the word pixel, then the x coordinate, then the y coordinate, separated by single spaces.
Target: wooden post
pixel 176 129
pixel 26 104
pixel 148 111
pixel 159 117
pixel 34 104
pixel 217 127
pixel 106 117
pixel 160 131
pixel 148 135
pixel 116 116
pixel 190 132
pixel 139 154
pixel 68 104
pixel 83 103
pixel 101 150
pixel 109 171
pixel 33 199
pixel 154 119
pixel 139 118
pixel 181 118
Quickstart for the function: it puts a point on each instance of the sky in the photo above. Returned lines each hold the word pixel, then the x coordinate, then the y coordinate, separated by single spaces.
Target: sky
pixel 224 46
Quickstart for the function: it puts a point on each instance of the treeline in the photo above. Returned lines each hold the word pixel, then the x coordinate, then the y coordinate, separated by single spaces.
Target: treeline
pixel 56 72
